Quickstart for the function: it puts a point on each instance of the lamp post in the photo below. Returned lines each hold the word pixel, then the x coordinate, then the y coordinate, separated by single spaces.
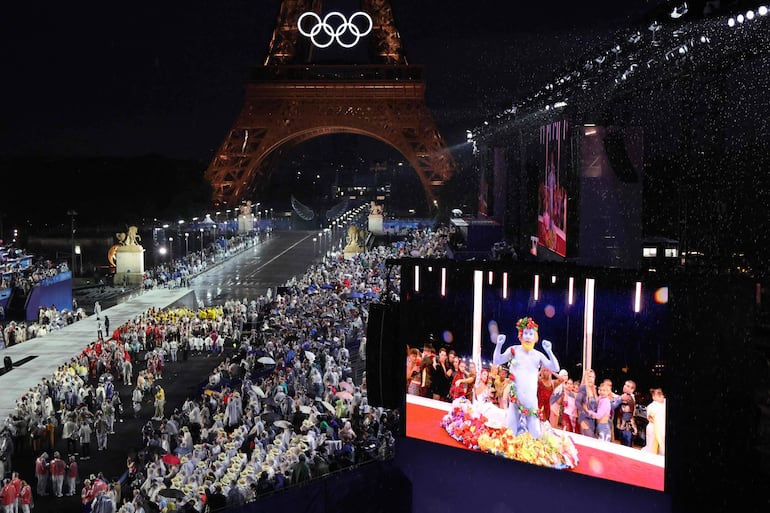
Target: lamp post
pixel 201 229
pixel 179 234
pixel 72 215
pixel 171 249
pixel 186 244
pixel 79 254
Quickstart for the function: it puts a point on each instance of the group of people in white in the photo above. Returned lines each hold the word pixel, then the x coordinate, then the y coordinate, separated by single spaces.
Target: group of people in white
pixel 318 407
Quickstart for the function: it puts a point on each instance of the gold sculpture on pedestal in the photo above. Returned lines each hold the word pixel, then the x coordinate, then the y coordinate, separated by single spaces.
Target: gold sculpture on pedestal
pixel 127 257
pixel 356 241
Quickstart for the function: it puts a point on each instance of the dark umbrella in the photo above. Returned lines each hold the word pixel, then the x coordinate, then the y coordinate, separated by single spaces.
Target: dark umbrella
pixel 269 417
pixel 154 449
pixel 172 493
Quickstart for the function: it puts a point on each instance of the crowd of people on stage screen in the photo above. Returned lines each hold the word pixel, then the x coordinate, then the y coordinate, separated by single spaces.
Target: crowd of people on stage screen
pixel 281 407
pixel 576 406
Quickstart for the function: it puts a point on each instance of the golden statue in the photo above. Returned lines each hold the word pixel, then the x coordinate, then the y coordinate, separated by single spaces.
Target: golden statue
pixel 129 238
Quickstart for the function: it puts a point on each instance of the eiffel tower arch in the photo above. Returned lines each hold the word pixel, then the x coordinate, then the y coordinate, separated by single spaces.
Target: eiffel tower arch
pixel 290 99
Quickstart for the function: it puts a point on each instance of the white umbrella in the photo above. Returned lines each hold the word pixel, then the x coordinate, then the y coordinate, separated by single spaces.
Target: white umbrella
pixel 266 360
pixel 258 390
pixel 305 409
pixel 310 356
pixel 284 424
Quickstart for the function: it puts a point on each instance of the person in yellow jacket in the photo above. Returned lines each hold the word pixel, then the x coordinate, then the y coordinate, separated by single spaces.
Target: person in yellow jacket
pixel 160 402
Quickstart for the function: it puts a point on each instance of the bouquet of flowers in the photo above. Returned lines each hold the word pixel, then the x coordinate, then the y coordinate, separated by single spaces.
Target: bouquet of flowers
pixel 553 449
pixel 463 424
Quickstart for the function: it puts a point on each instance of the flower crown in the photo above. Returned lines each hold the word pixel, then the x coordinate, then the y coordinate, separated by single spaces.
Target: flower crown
pixel 526 323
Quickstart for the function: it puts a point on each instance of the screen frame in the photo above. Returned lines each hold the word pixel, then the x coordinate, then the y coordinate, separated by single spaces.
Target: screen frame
pixel 422 280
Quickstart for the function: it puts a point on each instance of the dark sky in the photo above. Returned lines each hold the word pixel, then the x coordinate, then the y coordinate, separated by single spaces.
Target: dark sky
pixel 167 78
pixel 89 78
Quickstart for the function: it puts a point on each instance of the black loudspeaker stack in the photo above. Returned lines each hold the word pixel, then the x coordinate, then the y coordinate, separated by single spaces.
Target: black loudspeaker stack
pixel 385 358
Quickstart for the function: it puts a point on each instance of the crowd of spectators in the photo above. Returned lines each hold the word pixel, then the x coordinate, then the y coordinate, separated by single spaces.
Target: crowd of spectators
pixel 285 405
pixel 176 273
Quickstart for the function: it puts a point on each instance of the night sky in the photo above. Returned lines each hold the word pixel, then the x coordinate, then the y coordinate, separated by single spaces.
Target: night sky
pixel 166 78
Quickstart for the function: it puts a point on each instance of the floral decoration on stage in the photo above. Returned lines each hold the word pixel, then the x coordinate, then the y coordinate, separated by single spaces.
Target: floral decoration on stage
pixel 475 431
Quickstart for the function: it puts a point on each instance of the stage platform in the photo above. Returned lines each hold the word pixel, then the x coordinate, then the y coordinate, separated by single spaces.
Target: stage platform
pixel 606 460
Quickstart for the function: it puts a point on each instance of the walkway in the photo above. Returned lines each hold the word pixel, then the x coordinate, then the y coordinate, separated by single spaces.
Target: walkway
pixel 38 358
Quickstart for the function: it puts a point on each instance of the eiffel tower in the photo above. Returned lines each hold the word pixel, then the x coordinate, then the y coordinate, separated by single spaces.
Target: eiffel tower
pixel 291 99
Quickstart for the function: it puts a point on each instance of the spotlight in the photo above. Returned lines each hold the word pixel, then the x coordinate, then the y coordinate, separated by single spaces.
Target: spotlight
pixel 740 18
pixel 731 22
pixel 679 11
pixel 762 10
pixel 749 15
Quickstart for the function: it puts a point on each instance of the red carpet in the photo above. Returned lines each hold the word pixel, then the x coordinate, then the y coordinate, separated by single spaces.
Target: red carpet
pixel 599 459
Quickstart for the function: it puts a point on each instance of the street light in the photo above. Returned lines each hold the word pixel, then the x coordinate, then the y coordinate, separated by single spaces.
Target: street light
pixel 79 253
pixel 171 248
pixel 72 215
pixel 186 244
pixel 179 233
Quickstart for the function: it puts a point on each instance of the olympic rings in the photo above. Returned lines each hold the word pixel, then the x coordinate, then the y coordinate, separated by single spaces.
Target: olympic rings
pixel 329 34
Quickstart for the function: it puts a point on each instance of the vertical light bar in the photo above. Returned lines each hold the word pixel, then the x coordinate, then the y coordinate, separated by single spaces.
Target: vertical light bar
pixel 443 281
pixel 489 278
pixel 638 297
pixel 553 278
pixel 571 291
pixel 505 285
pixel 417 278
pixel 588 325
pixel 536 291
pixel 478 285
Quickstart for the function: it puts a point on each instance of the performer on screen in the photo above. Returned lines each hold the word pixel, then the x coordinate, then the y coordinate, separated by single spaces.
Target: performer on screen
pixel 524 362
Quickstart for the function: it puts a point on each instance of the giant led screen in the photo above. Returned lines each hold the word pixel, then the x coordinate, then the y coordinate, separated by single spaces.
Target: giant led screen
pixel 562 368
pixel 552 197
